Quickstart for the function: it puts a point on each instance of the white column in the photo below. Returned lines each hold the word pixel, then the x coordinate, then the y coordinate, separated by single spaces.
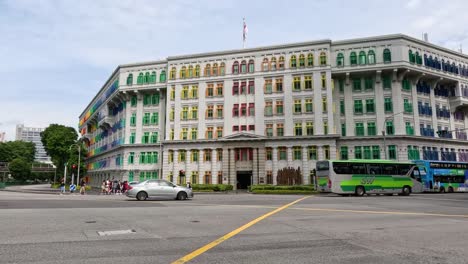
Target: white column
pixel 254 167
pixel 175 172
pixel 321 154
pixel 305 166
pixel 275 164
pixel 290 156
pixel 214 167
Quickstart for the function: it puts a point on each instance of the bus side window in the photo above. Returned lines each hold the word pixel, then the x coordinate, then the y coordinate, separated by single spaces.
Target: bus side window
pixel 389 169
pixel 374 169
pixel 403 169
pixel 358 169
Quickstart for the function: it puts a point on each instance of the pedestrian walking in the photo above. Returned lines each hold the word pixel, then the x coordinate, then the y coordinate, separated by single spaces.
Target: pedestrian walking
pixel 103 187
pixel 189 185
pixel 62 187
pixel 83 187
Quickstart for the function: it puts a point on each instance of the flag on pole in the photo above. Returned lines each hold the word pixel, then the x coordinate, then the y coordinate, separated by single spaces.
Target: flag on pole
pixel 244 32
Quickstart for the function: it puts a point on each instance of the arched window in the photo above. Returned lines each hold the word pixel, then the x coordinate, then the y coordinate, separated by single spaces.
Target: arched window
pixel 153 77
pixel 162 76
pixel 190 71
pixel 417 58
pixel 235 67
pixel 387 55
pixel 362 58
pixel 292 62
pixel 453 68
pixel 147 78
pixel 183 72
pixel 371 57
pixel 208 70
pixel 265 65
pixel 323 58
pixel 340 60
pixel 222 69
pixel 273 64
pixel 130 79
pixel 141 78
pixel 197 71
pixel 353 58
pixel 411 56
pixel 301 60
pixel 426 61
pixel 243 66
pixel 172 73
pixel 310 60
pixel 251 66
pixel 215 69
pixel 281 63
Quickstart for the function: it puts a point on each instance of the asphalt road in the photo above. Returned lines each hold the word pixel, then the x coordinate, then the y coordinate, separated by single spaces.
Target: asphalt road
pixel 46 228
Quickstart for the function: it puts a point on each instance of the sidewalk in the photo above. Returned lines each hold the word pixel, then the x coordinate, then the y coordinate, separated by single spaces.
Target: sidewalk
pixel 42 188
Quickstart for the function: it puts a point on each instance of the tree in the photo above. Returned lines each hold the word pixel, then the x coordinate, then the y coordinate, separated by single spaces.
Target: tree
pixel 57 140
pixel 17 149
pixel 20 169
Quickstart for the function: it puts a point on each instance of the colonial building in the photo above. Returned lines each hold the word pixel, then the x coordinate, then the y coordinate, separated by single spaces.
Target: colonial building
pixel 240 116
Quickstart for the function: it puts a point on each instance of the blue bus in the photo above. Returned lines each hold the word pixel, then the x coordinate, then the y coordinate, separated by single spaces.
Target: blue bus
pixel 443 176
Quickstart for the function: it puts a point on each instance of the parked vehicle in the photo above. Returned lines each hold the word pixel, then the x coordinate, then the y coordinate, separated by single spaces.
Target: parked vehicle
pixel 159 188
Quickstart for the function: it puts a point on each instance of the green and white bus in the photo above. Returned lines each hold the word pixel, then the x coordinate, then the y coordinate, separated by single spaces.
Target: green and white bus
pixel 371 177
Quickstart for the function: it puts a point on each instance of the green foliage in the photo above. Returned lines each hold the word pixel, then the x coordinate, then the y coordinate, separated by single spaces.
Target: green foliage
pixel 67 187
pixel 20 169
pixel 212 187
pixel 57 140
pixel 282 187
pixel 283 192
pixel 17 149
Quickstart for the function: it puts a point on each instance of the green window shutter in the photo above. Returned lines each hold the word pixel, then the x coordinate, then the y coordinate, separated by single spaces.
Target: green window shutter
pixel 370 107
pixel 388 105
pixel 371 130
pixel 367 152
pixel 359 129
pixel 387 82
pixel 389 128
pixel 341 85
pixel 342 107
pixel 357 84
pixel 358 106
pixel 375 152
pixel 392 152
pixel 344 153
pixel 130 176
pixel 343 129
pixel 358 152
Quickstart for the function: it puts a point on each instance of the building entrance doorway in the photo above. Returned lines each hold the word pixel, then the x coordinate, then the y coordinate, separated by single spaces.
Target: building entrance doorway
pixel 244 179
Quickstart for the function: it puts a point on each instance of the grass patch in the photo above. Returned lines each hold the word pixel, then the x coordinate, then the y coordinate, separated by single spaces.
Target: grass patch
pixel 282 189
pixel 283 192
pixel 212 187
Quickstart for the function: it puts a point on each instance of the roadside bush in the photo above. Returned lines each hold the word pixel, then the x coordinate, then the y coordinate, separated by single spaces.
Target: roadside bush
pixel 67 187
pixel 212 187
pixel 282 187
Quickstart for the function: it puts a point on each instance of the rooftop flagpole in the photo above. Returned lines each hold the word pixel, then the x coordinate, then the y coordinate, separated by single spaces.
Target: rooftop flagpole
pixel 244 33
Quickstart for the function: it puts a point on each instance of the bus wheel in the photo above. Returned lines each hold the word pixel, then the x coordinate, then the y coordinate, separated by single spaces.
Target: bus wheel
pixel 360 191
pixel 406 191
pixel 442 190
pixel 450 190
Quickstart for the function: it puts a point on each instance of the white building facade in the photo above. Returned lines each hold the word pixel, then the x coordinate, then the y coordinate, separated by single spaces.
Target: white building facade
pixel 33 134
pixel 239 117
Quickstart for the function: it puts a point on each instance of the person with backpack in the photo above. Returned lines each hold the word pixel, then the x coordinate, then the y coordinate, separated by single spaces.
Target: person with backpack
pixel 83 187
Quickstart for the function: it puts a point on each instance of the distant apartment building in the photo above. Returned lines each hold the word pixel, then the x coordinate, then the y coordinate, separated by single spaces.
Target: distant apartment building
pixel 2 137
pixel 33 134
pixel 241 116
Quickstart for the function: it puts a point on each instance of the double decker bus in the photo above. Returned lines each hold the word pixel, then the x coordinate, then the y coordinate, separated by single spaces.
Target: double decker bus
pixel 361 177
pixel 443 176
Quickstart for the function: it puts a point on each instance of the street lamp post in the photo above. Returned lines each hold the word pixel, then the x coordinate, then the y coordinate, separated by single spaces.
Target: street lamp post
pixel 79 156
pixel 384 132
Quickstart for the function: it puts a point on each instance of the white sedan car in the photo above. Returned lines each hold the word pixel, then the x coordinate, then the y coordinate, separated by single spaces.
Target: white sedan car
pixel 159 188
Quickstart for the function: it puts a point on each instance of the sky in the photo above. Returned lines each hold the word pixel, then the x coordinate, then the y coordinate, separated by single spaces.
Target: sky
pixel 56 55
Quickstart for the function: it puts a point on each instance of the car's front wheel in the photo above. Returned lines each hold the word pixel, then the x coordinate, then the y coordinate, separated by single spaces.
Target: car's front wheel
pixel 181 196
pixel 141 196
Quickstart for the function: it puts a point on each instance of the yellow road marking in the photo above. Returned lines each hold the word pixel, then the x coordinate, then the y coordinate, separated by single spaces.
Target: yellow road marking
pixel 377 212
pixel 220 240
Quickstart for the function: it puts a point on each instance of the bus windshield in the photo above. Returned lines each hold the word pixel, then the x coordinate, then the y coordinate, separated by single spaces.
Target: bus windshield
pixel 322 166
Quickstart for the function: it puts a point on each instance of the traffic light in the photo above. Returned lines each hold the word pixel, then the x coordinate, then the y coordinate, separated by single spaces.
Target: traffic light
pixel 74 166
